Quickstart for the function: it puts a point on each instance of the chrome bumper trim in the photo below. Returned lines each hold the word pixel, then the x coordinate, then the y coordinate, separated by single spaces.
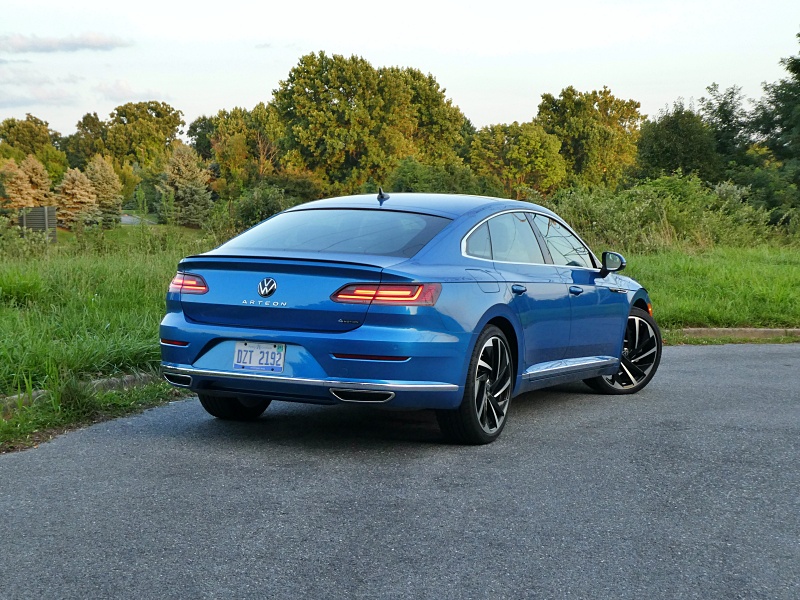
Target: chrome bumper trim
pixel 389 386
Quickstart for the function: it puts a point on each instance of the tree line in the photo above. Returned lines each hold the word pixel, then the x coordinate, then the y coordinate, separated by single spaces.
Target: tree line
pixel 338 125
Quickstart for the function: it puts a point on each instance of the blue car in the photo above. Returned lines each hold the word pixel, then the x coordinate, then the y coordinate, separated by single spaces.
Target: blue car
pixel 419 301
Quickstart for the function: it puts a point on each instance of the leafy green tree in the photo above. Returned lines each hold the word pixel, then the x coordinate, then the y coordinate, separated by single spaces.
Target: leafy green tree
pixel 143 132
pixel 331 112
pixel 678 141
pixel 187 181
pixel 724 112
pixel 598 133
pixel 777 115
pixel 76 200
pixel 452 178
pixel 38 178
pixel 519 156
pixel 108 189
pixel 33 136
pixel 18 192
pixel 435 123
pixel 89 139
pixel 348 123
pixel 28 135
pixel 201 131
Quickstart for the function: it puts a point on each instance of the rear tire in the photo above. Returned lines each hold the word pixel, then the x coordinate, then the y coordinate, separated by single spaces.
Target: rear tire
pixel 233 409
pixel 490 380
pixel 641 355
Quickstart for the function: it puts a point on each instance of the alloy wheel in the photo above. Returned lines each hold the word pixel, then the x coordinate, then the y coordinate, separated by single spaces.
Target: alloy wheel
pixel 493 384
pixel 639 355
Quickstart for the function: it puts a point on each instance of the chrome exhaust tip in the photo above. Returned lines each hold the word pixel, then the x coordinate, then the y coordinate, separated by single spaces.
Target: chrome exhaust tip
pixel 178 380
pixel 361 396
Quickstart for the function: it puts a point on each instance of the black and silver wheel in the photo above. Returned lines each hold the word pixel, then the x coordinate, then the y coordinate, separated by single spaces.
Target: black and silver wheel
pixel 641 355
pixel 490 380
pixel 233 409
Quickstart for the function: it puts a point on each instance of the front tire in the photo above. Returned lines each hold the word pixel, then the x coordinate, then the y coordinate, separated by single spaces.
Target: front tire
pixel 233 409
pixel 490 380
pixel 641 355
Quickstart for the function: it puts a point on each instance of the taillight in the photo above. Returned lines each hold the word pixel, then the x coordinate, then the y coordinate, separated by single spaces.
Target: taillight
pixel 416 294
pixel 187 283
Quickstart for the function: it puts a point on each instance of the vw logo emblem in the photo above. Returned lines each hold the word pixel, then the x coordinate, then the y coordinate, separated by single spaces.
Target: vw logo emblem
pixel 267 287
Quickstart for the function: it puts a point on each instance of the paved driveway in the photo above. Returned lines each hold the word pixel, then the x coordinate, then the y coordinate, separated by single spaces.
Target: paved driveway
pixel 689 490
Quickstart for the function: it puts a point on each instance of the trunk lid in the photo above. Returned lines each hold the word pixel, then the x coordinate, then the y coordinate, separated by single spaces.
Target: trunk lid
pixel 300 300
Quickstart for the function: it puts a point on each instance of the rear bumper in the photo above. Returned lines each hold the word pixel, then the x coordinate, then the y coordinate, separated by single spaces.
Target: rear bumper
pixel 405 394
pixel 427 368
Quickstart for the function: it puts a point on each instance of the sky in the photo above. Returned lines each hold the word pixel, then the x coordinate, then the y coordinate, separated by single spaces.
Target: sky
pixel 61 60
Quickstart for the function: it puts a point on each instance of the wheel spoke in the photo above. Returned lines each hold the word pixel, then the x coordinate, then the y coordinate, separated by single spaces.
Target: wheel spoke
pixel 634 372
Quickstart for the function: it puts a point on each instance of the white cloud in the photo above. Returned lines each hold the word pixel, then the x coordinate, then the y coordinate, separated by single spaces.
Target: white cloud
pixel 121 91
pixel 21 44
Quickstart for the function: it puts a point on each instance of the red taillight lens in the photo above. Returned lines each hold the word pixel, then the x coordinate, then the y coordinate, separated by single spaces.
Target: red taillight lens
pixel 417 294
pixel 187 283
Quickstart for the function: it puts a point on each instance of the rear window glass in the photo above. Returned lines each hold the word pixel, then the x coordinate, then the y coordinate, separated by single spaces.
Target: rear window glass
pixel 342 231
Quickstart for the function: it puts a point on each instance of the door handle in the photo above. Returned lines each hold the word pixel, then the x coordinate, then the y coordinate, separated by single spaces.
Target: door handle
pixel 575 290
pixel 518 289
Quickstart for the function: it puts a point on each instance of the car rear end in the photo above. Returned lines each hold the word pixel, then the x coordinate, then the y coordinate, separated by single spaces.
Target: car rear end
pixel 317 319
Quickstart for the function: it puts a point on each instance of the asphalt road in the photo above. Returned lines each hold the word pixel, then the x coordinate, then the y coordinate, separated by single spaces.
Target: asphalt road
pixel 689 490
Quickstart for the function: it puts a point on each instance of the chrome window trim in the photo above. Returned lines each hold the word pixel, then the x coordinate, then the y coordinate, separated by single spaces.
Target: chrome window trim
pixel 535 212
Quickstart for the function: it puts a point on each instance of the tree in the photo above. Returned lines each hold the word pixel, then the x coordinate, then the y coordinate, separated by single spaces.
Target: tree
pixel 186 182
pixel 519 156
pixel 435 122
pixel 38 178
pixel 107 187
pixel 18 192
pixel 331 114
pixel 452 178
pixel 33 136
pixel 201 131
pixel 28 135
pixel 88 140
pixel 598 133
pixel 143 132
pixel 678 140
pixel 724 112
pixel 76 200
pixel 777 115
pixel 349 123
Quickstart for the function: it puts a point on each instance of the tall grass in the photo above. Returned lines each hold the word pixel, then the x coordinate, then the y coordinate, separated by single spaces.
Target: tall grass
pixel 722 287
pixel 87 307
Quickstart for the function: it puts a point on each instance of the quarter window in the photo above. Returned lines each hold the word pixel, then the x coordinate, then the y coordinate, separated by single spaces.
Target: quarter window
pixel 565 248
pixel 479 244
pixel 513 239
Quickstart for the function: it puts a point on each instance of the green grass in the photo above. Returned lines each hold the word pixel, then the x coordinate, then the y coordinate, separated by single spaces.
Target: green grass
pixel 722 287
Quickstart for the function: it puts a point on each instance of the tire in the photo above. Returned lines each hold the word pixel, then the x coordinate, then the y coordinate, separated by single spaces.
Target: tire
pixel 233 409
pixel 487 394
pixel 641 355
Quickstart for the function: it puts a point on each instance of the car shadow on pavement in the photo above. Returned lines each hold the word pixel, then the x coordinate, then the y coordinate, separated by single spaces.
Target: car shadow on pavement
pixel 308 425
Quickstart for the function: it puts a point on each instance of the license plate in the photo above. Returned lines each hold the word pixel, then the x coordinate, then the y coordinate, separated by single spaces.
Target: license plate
pixel 253 356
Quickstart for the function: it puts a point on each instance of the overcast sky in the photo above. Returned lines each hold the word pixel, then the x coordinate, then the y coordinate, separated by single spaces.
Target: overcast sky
pixel 60 60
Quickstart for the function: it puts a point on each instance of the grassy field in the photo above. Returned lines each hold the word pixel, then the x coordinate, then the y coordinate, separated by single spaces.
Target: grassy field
pixel 90 308
pixel 722 287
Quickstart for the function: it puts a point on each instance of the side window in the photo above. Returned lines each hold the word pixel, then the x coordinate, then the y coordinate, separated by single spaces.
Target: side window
pixel 478 243
pixel 564 247
pixel 513 239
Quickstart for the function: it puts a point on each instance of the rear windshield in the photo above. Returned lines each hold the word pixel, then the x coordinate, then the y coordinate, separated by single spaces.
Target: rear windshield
pixel 342 231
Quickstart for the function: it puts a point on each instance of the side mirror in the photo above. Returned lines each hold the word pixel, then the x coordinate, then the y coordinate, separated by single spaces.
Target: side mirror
pixel 612 262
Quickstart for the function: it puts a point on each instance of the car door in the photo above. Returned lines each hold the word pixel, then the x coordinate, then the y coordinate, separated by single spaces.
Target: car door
pixel 599 308
pixel 536 290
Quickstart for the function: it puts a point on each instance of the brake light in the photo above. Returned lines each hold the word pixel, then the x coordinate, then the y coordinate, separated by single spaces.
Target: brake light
pixel 187 283
pixel 416 294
